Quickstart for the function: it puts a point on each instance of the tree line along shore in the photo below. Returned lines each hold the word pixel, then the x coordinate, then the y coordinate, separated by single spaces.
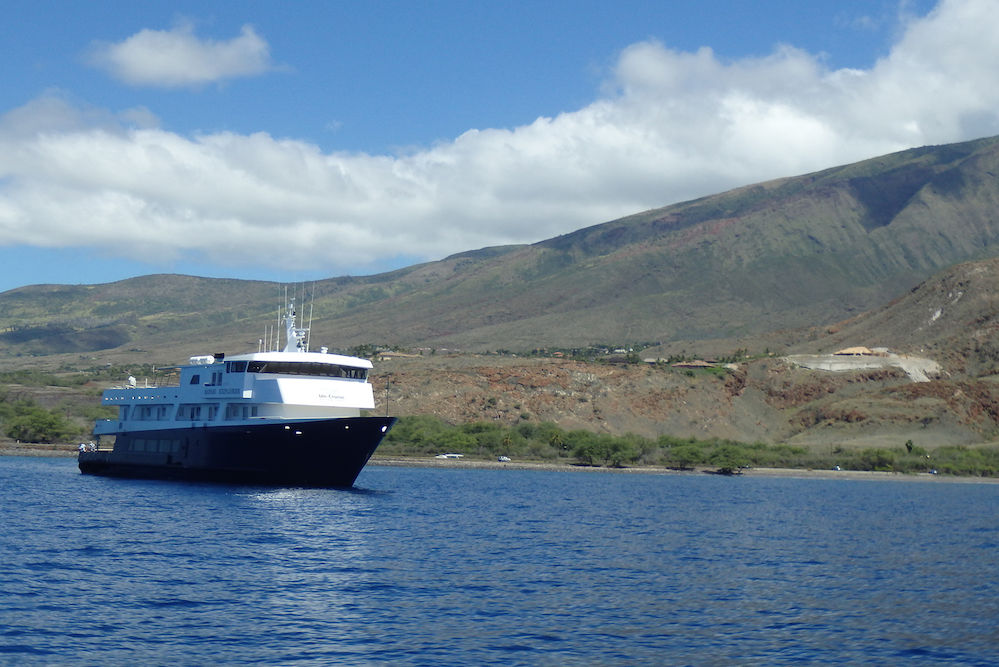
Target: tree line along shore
pixel 566 465
pixel 423 436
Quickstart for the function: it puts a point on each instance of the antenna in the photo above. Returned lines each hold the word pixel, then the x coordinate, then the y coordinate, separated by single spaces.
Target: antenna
pixel 281 306
pixel 312 304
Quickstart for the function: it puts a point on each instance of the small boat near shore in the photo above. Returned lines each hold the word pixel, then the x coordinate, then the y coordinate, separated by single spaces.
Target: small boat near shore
pixel 286 417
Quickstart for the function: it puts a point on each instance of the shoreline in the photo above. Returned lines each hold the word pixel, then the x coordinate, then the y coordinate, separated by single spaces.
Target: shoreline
pixel 66 451
pixel 37 449
pixel 802 473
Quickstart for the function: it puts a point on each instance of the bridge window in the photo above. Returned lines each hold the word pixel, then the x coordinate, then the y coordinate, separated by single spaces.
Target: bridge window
pixel 307 368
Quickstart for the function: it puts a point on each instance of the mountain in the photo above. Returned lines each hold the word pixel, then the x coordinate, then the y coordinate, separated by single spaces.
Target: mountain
pixel 795 252
pixel 783 254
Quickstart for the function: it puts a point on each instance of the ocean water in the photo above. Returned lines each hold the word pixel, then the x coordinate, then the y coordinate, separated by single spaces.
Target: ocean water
pixel 430 566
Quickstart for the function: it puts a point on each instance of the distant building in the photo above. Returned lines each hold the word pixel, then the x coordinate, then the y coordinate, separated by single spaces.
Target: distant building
pixel 855 352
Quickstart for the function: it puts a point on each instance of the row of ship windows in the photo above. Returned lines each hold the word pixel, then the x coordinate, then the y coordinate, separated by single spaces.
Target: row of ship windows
pixel 151 445
pixel 191 412
pixel 284 368
pixel 296 368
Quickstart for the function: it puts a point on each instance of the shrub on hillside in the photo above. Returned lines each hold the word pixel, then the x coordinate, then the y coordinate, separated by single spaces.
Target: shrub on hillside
pixel 36 424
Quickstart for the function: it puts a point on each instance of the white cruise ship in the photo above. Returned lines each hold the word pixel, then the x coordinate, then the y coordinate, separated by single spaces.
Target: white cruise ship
pixel 289 417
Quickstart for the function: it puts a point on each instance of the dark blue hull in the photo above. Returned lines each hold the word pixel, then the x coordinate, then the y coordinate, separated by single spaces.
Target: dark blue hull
pixel 322 453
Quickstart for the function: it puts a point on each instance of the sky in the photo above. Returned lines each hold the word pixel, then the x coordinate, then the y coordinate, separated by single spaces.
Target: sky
pixel 298 141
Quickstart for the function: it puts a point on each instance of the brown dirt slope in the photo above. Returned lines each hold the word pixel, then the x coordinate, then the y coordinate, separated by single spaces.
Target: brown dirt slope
pixel 762 400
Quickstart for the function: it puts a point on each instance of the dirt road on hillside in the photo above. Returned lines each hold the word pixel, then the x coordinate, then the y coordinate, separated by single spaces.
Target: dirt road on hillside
pixel 918 369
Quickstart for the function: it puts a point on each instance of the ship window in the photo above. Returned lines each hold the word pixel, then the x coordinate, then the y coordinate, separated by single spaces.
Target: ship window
pixel 163 446
pixel 195 379
pixel 235 367
pixel 150 445
pixel 149 412
pixel 188 412
pixel 307 368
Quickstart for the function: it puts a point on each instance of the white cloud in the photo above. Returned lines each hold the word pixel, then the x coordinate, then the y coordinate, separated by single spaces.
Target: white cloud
pixel 177 58
pixel 669 126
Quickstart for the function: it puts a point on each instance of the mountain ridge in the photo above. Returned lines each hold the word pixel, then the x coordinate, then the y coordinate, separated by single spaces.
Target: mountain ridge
pixel 782 254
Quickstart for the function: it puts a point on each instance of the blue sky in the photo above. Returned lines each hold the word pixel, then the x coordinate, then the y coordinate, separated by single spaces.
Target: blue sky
pixel 293 141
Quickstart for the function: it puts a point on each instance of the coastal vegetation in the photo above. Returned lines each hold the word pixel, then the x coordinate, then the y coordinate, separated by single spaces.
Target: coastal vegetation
pixel 46 407
pixel 26 421
pixel 424 435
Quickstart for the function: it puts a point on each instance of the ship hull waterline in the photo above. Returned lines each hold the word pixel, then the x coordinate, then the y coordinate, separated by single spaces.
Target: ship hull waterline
pixel 314 453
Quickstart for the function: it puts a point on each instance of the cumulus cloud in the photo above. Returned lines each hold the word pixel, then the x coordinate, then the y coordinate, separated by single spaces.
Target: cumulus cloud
pixel 668 126
pixel 177 58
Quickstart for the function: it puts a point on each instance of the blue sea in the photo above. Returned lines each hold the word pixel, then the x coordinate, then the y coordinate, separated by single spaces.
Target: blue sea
pixel 429 566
